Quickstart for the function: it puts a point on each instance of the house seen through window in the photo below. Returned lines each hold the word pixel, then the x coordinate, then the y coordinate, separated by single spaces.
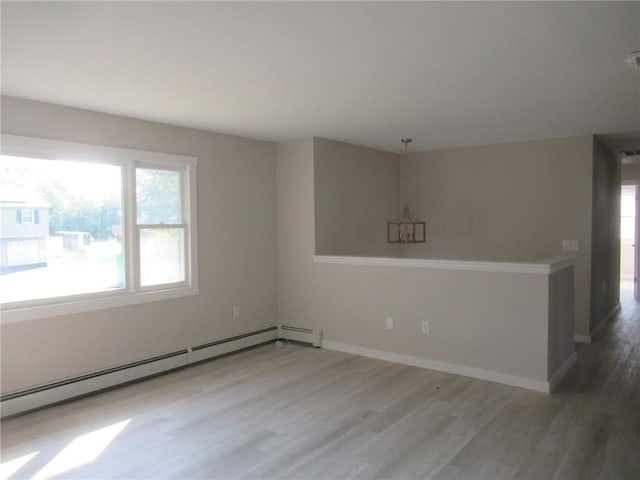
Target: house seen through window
pixel 76 244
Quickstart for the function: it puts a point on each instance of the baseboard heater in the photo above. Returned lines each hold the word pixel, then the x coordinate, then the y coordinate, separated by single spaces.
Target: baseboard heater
pixel 22 401
pixel 304 335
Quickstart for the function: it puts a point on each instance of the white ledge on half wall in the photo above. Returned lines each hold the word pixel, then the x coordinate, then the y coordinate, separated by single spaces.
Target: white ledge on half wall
pixel 546 266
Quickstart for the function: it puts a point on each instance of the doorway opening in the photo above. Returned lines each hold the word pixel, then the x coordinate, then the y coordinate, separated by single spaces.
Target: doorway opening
pixel 628 234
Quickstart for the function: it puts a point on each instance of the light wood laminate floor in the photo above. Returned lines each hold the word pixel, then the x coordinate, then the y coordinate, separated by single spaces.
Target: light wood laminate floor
pixel 307 413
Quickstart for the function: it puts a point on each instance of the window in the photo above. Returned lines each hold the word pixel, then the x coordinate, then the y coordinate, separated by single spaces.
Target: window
pixel 112 227
pixel 25 216
pixel 161 231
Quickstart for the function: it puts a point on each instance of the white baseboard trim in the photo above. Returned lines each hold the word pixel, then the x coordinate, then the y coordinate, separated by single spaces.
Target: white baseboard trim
pixel 37 397
pixel 490 375
pixel 562 371
pixel 589 338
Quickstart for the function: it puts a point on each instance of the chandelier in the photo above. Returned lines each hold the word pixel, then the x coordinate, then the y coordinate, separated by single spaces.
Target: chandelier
pixel 406 228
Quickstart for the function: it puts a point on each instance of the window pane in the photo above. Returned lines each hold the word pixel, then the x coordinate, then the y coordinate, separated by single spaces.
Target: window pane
pixel 158 196
pixel 27 216
pixel 161 256
pixel 61 228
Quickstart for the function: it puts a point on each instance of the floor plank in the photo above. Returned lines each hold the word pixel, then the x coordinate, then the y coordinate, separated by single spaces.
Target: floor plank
pixel 298 412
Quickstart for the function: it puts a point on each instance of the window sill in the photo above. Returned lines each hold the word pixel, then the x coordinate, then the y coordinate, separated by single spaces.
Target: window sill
pixel 120 299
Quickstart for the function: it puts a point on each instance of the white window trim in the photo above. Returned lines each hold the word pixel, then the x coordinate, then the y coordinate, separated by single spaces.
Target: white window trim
pixel 128 159
pixel 32 216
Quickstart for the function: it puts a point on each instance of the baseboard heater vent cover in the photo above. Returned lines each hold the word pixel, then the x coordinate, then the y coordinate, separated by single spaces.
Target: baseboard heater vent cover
pixel 297 334
pixel 32 398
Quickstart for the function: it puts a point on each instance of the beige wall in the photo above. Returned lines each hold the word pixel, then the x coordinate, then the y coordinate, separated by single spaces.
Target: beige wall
pixel 630 172
pixel 296 238
pixel 236 241
pixel 259 206
pixel 512 202
pixel 508 202
pixel 480 320
pixel 605 252
pixel 356 193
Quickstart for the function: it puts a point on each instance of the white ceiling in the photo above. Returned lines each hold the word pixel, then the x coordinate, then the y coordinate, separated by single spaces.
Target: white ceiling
pixel 445 73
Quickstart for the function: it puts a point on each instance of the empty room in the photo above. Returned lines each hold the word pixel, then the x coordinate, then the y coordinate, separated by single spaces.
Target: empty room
pixel 319 240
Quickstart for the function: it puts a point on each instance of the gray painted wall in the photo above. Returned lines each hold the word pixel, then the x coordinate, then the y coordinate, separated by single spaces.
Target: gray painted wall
pixel 630 172
pixel 296 231
pixel 483 320
pixel 605 252
pixel 561 313
pixel 507 202
pixel 236 243
pixel 356 193
pixel 258 212
pixel 515 201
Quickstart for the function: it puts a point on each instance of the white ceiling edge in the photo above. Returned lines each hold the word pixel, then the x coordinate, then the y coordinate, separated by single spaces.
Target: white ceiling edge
pixel 448 75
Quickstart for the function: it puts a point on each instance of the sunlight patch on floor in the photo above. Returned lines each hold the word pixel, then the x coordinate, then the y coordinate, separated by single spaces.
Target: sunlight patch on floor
pixel 81 450
pixel 10 467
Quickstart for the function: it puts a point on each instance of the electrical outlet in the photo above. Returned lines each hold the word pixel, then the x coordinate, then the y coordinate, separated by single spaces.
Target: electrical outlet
pixel 236 312
pixel 570 245
pixel 425 327
pixel 389 323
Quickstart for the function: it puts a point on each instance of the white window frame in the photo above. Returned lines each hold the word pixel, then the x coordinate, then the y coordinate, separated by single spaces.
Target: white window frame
pixel 132 293
pixel 30 217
